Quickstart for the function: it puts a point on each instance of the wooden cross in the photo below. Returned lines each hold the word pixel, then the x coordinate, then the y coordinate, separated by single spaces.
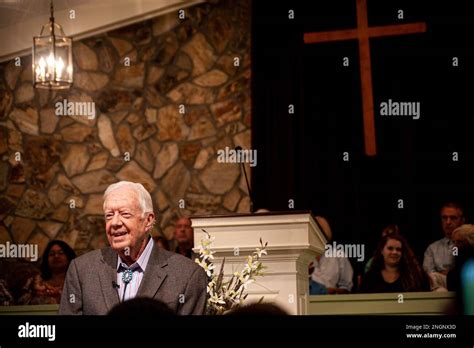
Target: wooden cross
pixel 362 33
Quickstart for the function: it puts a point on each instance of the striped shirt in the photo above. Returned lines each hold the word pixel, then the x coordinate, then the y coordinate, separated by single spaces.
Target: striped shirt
pixel 439 256
pixel 138 269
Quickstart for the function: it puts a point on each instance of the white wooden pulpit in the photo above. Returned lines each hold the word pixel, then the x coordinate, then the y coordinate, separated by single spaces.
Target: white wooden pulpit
pixel 294 239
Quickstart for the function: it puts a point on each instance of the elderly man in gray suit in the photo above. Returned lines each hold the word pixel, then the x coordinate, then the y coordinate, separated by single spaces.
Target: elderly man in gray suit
pixel 132 266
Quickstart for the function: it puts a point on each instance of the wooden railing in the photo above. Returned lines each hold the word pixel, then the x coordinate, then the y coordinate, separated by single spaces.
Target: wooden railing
pixel 50 309
pixel 410 303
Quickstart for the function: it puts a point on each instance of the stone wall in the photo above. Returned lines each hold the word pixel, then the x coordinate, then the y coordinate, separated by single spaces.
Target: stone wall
pixel 159 120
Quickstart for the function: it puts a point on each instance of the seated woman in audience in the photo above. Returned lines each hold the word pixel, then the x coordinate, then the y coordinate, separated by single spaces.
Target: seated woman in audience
pixel 394 268
pixel 390 229
pixel 46 288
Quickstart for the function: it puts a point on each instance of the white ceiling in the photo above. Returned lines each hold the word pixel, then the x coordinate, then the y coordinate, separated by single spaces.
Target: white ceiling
pixel 20 20
pixel 17 11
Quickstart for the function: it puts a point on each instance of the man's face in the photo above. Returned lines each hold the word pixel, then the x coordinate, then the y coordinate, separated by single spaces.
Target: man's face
pixel 451 218
pixel 183 232
pixel 124 224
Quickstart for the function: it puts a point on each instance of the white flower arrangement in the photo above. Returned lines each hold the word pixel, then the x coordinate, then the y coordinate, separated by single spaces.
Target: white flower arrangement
pixel 224 296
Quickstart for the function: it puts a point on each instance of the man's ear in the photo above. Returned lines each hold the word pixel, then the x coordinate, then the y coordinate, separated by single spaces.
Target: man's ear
pixel 150 221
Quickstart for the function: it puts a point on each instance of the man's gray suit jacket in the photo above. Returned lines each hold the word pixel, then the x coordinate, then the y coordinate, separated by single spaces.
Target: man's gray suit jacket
pixel 170 278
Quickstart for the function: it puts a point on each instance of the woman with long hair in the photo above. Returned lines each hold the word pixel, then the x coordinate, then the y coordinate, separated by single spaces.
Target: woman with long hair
pixel 394 268
pixel 46 287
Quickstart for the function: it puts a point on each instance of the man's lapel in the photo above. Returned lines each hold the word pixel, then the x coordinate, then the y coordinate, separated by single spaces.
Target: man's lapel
pixel 155 274
pixel 108 276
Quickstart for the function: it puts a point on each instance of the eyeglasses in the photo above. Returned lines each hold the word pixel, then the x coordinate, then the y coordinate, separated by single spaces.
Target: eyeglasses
pixel 54 253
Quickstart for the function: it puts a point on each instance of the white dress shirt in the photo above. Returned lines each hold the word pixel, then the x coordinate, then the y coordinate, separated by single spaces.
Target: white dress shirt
pixel 333 272
pixel 138 269
pixel 439 256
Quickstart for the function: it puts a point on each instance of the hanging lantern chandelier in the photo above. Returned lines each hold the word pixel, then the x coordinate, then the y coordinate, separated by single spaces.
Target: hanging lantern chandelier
pixel 52 57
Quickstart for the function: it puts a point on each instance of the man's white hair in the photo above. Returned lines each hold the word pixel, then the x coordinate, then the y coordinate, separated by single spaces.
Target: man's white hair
pixel 467 233
pixel 144 198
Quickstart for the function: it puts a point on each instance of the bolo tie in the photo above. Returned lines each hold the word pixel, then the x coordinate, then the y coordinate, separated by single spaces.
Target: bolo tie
pixel 127 276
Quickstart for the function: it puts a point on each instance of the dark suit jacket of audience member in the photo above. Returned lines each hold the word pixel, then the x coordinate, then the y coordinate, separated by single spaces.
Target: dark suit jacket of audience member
pixel 89 289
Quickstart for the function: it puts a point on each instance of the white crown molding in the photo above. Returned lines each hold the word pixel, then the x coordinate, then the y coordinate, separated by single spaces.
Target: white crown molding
pixel 90 19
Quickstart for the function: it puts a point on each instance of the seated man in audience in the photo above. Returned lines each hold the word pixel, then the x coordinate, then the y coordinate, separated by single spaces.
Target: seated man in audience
pixel 133 266
pixel 439 257
pixel 330 275
pixel 184 236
